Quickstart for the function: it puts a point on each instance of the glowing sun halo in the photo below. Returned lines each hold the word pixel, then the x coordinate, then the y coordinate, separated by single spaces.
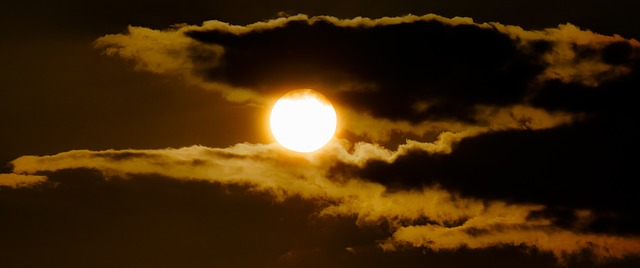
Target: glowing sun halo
pixel 303 120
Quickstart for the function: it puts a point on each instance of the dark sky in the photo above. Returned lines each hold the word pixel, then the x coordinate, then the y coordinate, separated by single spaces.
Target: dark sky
pixel 501 138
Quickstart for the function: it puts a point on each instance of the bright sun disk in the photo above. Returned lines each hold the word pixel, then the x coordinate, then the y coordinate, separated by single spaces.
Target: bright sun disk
pixel 303 120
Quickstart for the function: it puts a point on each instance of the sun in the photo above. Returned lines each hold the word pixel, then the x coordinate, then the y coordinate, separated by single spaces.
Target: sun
pixel 303 120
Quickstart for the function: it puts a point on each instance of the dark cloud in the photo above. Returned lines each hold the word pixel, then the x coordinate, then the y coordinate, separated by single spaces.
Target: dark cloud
pixel 79 219
pixel 422 216
pixel 412 75
pixel 451 67
pixel 423 75
pixel 584 165
pixel 611 99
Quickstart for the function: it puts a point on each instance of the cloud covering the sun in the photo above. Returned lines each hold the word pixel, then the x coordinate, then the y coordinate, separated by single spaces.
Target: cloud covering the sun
pixel 429 216
pixel 413 74
pixel 453 134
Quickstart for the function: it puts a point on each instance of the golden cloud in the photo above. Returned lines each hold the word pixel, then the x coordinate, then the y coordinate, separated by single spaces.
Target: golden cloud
pixel 429 217
pixel 19 180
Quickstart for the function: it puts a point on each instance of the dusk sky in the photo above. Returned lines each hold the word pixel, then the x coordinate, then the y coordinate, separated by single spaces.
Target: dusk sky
pixel 469 134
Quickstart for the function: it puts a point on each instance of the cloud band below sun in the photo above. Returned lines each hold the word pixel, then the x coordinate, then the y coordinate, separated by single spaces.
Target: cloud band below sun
pixel 430 216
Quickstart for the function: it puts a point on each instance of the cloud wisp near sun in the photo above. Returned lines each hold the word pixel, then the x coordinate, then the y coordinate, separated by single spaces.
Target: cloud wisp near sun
pixel 454 134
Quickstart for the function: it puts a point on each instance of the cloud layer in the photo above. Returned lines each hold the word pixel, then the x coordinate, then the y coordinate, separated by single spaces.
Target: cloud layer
pixel 411 69
pixel 430 216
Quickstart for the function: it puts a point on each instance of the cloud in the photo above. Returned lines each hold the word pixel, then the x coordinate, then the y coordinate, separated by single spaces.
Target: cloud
pixel 170 52
pixel 562 243
pixel 562 167
pixel 577 55
pixel 486 119
pixel 17 180
pixel 429 216
pixel 410 74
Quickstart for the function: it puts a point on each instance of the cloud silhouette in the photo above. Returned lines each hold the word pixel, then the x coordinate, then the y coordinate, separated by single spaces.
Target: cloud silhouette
pixel 414 70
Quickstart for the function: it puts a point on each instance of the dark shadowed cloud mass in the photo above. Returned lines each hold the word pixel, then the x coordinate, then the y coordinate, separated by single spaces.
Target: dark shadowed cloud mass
pixel 462 140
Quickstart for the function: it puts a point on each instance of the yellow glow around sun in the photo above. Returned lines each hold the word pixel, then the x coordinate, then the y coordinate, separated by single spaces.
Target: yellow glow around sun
pixel 303 120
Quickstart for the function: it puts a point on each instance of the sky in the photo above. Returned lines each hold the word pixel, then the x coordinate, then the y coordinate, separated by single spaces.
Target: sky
pixel 470 134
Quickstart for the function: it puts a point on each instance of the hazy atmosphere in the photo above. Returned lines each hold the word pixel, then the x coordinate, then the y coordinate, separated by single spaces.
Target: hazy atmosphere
pixel 469 134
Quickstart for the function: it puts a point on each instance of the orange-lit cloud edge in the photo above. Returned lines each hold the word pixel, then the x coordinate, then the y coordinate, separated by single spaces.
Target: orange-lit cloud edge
pixel 269 168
